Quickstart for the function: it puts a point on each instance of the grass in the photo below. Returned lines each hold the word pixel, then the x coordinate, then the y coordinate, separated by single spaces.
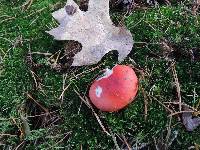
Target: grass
pixel 71 124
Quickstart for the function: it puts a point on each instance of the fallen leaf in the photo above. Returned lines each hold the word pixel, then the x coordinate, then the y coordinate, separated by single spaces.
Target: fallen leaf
pixel 189 122
pixel 93 29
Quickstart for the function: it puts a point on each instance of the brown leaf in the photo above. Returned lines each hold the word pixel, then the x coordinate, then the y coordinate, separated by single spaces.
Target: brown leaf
pixel 93 29
pixel 189 122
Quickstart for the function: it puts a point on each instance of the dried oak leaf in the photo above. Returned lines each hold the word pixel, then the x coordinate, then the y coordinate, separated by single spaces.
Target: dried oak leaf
pixel 189 122
pixel 93 29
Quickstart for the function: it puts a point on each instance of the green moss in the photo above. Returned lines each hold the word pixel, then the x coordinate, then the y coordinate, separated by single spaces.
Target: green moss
pixel 147 26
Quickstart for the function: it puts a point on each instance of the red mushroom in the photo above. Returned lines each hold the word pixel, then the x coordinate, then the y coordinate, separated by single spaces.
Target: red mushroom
pixel 115 89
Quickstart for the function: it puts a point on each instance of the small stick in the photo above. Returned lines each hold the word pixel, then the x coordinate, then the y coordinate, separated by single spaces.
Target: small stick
pixel 180 112
pixel 19 145
pixel 64 88
pixel 171 111
pixel 145 104
pixel 183 104
pixel 125 141
pixel 29 96
pixel 38 11
pixel 177 86
pixel 7 19
pixel 90 106
pixel 27 4
pixel 115 141
pixel 67 134
pixel 87 71
pixel 40 53
pixel 34 77
pixel 8 135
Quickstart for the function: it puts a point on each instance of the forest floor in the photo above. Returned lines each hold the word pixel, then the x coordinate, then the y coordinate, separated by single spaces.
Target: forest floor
pixel 42 98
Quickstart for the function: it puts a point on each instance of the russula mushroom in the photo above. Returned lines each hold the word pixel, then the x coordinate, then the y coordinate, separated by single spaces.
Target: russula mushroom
pixel 115 89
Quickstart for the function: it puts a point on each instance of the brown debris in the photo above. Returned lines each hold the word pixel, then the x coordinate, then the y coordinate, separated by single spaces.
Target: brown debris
pixel 190 122
pixel 195 6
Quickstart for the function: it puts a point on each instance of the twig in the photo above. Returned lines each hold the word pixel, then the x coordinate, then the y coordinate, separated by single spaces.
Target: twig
pixel 53 55
pixel 81 147
pixel 15 123
pixel 43 114
pixel 162 104
pixel 87 71
pixel 168 2
pixel 4 134
pixel 45 110
pixel 183 104
pixel 34 78
pixel 39 115
pixel 64 89
pixel 7 19
pixel 19 145
pixel 178 89
pixel 180 112
pixel 125 141
pixel 56 61
pixel 145 104
pixel 27 4
pixel 40 53
pixel 115 141
pixel 53 146
pixel 86 101
pixel 38 11
pixel 132 25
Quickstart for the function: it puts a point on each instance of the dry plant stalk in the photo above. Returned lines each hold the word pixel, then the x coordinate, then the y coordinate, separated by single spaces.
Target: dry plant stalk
pixel 86 101
pixel 178 89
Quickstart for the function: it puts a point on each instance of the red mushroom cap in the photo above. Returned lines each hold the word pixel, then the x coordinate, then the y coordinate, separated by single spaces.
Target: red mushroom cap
pixel 115 90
